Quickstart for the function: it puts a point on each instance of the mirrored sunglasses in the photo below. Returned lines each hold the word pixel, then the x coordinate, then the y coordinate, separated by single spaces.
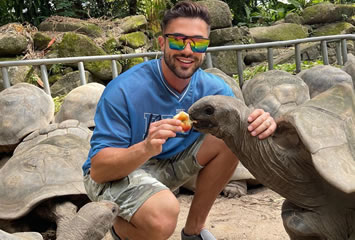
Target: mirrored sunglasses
pixel 179 42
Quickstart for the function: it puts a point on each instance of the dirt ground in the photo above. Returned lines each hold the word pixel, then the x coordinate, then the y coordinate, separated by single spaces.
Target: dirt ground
pixel 256 216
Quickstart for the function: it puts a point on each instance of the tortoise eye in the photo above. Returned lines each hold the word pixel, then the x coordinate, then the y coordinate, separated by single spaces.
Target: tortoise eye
pixel 209 110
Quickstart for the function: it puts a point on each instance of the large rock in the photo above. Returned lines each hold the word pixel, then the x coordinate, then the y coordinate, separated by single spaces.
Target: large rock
pixel 68 82
pixel 279 32
pixel 221 15
pixel 226 61
pixel 327 13
pixel 293 18
pixel 235 35
pixel 75 45
pixel 134 39
pixel 13 40
pixel 17 74
pixel 41 40
pixel 132 23
pixel 65 24
pixel 334 29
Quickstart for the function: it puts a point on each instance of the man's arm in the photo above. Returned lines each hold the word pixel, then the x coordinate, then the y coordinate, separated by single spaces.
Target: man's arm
pixel 115 163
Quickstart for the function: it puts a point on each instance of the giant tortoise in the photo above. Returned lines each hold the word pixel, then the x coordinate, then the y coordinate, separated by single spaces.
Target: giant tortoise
pixel 80 104
pixel 322 77
pixel 275 91
pixel 24 108
pixel 241 178
pixel 44 175
pixel 310 159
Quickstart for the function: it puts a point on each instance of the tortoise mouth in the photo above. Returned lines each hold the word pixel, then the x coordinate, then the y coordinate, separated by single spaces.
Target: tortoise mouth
pixel 202 124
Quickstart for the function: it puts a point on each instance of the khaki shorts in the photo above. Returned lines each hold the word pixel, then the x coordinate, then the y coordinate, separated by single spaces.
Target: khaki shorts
pixel 155 175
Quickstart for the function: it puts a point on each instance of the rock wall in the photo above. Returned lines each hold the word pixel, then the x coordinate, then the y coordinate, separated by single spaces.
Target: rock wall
pixel 68 37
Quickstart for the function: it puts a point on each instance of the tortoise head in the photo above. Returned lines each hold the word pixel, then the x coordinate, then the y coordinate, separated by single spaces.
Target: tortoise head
pixel 217 115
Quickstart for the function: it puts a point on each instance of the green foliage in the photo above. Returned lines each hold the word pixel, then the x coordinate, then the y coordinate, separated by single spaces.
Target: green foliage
pixel 58 101
pixel 245 12
pixel 153 10
pixel 261 12
pixel 250 72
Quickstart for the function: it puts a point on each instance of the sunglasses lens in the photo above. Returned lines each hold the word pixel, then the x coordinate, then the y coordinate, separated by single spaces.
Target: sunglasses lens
pixel 197 44
pixel 176 43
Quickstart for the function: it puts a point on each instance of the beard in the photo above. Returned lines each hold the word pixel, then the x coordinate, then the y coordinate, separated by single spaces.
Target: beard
pixel 182 72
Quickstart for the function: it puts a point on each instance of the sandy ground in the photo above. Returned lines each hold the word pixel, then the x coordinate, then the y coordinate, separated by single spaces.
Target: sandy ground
pixel 256 216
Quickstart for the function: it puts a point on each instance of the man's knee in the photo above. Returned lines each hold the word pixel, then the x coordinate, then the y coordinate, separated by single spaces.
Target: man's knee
pixel 215 148
pixel 159 222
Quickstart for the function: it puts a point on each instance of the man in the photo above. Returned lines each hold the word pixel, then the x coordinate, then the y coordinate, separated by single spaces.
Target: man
pixel 139 152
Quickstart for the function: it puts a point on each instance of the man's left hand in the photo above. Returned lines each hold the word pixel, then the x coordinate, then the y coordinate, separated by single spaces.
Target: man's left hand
pixel 261 124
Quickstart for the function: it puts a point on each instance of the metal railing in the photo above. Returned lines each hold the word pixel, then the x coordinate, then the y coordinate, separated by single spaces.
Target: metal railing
pixel 340 40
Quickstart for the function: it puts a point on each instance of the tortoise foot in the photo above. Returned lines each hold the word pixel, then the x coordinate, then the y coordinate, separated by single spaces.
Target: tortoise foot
pixel 299 223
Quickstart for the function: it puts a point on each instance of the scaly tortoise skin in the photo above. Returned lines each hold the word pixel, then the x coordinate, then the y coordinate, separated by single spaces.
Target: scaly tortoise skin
pixel 310 159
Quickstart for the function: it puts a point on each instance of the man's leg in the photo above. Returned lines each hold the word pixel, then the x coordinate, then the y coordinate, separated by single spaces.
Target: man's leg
pixel 147 208
pixel 155 219
pixel 220 163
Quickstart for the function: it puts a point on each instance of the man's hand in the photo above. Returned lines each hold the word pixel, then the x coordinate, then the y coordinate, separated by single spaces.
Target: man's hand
pixel 261 124
pixel 159 132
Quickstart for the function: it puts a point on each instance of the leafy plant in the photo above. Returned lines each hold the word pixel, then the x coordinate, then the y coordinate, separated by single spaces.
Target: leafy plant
pixel 58 101
pixel 153 10
pixel 250 72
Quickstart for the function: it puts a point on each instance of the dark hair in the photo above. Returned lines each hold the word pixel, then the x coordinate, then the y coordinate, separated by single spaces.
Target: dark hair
pixel 185 9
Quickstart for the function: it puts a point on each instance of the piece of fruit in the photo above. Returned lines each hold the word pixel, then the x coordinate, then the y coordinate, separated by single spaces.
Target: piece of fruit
pixel 186 123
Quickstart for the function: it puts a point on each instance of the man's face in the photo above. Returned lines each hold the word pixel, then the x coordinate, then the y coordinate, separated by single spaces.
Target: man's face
pixel 183 63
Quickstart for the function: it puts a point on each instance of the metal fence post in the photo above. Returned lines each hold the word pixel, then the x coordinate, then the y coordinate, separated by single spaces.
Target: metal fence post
pixel 324 52
pixel 338 53
pixel 298 57
pixel 82 73
pixel 114 69
pixel 44 76
pixel 344 51
pixel 5 77
pixel 240 68
pixel 270 58
pixel 209 60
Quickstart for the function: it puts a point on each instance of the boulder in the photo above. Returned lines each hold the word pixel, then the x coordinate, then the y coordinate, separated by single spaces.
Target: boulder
pixel 132 23
pixel 226 61
pixel 12 40
pixel 235 35
pixel 68 82
pixel 134 40
pixel 334 29
pixel 220 13
pixel 17 74
pixel 66 24
pixel 320 13
pixel 293 18
pixel 75 45
pixel 41 40
pixel 279 32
